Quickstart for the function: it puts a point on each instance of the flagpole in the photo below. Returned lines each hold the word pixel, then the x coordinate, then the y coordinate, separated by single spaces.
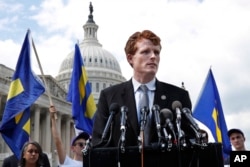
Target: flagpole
pixel 44 80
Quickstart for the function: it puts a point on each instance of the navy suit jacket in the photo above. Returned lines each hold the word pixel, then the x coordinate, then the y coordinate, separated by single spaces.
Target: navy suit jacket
pixel 123 94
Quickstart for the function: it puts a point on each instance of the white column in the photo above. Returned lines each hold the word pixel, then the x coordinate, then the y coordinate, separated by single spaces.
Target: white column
pixel 67 133
pixel 47 132
pixel 36 123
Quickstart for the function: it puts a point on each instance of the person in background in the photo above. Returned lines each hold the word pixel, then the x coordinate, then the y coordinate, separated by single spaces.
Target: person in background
pixel 12 160
pixel 143 54
pixel 31 155
pixel 237 139
pixel 77 145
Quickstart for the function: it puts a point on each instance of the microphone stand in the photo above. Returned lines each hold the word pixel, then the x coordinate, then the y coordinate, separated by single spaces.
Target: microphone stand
pixel 103 142
pixel 178 124
pixel 158 128
pixel 141 147
pixel 167 138
pixel 121 145
pixel 144 112
pixel 124 110
pixel 123 141
pixel 141 142
pixel 85 151
pixel 110 135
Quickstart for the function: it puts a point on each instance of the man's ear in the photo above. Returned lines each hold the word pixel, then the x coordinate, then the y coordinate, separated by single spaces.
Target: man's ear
pixel 129 59
pixel 72 148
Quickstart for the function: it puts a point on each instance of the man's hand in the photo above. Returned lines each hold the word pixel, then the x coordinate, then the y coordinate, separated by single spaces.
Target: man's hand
pixel 52 111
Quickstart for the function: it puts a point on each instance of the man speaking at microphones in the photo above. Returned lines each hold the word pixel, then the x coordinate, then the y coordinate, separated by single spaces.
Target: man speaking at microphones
pixel 143 54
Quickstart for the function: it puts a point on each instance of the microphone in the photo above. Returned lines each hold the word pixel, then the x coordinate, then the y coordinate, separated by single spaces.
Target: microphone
pixel 114 108
pixel 176 105
pixel 193 124
pixel 124 111
pixel 156 110
pixel 166 117
pixel 143 118
pixel 187 113
pixel 87 147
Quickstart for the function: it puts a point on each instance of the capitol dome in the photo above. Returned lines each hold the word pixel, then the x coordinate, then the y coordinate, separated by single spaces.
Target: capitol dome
pixel 103 70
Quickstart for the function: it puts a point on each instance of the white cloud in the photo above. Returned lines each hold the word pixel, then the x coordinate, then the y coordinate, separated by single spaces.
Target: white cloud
pixel 9 56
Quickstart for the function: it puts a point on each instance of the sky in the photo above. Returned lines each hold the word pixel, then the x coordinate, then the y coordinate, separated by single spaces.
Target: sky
pixel 196 35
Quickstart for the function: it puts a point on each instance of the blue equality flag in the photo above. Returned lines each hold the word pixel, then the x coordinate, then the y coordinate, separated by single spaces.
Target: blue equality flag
pixel 80 95
pixel 208 110
pixel 24 90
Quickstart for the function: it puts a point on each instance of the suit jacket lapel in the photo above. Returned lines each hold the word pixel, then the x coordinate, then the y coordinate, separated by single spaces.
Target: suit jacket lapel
pixel 160 95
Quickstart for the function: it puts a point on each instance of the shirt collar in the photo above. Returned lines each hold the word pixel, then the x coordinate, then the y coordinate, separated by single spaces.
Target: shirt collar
pixel 150 84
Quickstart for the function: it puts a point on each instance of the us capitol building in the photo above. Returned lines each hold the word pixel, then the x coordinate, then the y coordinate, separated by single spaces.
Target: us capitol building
pixel 103 70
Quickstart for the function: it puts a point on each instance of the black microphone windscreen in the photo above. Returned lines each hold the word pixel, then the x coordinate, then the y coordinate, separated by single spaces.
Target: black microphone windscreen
pixel 176 104
pixel 166 113
pixel 114 107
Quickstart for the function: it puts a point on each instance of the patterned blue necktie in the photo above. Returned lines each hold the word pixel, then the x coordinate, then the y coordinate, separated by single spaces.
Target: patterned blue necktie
pixel 144 102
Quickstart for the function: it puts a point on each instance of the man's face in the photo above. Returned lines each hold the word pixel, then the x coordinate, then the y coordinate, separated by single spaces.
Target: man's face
pixel 237 140
pixel 78 146
pixel 146 59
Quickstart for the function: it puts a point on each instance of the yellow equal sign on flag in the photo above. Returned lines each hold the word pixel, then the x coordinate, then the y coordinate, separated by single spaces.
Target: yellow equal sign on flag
pixel 16 88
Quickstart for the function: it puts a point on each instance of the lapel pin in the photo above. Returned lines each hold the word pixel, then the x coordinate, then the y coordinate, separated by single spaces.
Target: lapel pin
pixel 163 97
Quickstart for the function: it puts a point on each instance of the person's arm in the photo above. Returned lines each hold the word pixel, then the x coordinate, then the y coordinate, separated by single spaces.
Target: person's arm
pixel 57 139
